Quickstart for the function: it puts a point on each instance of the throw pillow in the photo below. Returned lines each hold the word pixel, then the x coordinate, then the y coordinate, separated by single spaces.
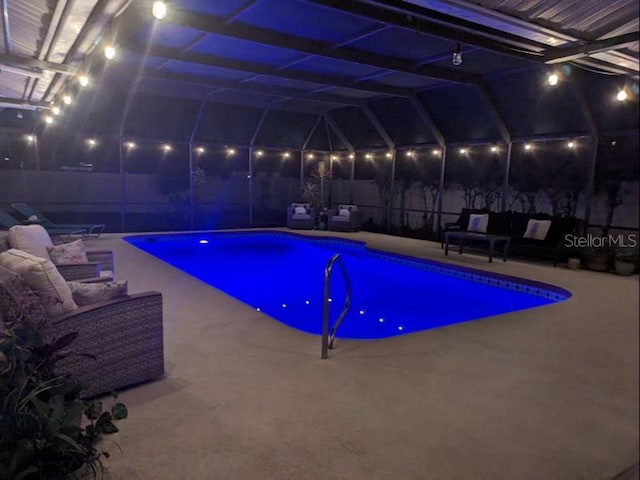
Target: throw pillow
pixel 87 293
pixel 32 239
pixel 72 252
pixel 478 223
pixel 43 278
pixel 300 210
pixel 344 212
pixel 537 229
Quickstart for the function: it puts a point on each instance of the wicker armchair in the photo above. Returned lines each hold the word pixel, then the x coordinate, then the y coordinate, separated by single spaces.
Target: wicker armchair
pixel 125 336
pixel 100 265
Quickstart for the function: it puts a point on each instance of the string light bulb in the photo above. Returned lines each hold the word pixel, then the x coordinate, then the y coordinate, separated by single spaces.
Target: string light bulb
pixel 259 153
pixel 67 100
pixel 435 152
pixel 494 149
pixel 527 146
pixel 48 119
pixel 130 145
pixel 310 156
pixel 351 156
pixel 571 144
pixel 109 51
pixel 622 95
pixel 55 110
pixel 159 10
pixel 200 150
pixel 29 138
pixel 457 55
pixel 286 155
pixel 91 142
pixel 166 147
pixel 83 80
pixel 552 79
pixel 231 151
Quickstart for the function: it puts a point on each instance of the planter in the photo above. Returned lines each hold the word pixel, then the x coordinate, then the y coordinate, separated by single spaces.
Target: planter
pixel 624 268
pixel 597 261
pixel 573 263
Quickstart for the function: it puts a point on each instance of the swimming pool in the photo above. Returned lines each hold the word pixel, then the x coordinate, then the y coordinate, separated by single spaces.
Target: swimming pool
pixel 282 275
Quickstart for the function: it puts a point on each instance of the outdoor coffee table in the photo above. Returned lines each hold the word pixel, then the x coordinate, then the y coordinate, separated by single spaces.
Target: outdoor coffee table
pixel 492 240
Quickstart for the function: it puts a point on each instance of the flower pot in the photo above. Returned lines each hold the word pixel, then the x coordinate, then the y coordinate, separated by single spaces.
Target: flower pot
pixel 624 268
pixel 573 263
pixel 598 261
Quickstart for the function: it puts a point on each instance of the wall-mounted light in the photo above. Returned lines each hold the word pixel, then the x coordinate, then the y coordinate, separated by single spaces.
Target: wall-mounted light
pixel 159 10
pixel 552 79
pixel 457 55
pixel 622 95
pixel 109 51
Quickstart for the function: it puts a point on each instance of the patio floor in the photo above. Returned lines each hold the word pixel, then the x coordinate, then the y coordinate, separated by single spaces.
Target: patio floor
pixel 548 393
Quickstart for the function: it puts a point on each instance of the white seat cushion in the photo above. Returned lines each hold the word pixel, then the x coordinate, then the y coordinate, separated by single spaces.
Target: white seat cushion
pixel 478 222
pixel 43 278
pixel 300 211
pixel 301 216
pixel 339 218
pixel 343 212
pixel 32 239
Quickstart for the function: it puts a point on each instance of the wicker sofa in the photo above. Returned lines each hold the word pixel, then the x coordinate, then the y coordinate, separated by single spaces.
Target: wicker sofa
pixel 514 225
pixel 124 334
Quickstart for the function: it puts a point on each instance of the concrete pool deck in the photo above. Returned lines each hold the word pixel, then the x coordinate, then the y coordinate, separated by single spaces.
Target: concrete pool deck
pixel 547 393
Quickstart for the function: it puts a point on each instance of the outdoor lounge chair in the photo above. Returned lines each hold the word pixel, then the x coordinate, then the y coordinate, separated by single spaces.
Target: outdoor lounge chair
pixel 7 221
pixel 31 213
pixel 301 216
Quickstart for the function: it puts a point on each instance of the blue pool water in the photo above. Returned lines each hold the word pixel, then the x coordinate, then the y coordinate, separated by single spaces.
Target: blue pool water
pixel 282 275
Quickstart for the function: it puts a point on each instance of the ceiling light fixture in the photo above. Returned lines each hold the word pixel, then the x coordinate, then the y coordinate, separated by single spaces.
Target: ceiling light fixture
pixel 159 10
pixel 457 55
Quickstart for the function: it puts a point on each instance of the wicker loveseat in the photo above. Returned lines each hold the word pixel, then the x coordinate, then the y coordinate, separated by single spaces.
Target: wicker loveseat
pixel 124 334
pixel 514 225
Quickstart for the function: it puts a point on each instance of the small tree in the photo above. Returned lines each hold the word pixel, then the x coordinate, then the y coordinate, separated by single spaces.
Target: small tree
pixel 429 186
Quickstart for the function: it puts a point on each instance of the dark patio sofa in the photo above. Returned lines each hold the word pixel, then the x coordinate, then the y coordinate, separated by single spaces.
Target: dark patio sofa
pixel 514 224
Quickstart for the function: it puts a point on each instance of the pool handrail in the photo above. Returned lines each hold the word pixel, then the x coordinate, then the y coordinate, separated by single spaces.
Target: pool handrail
pixel 329 336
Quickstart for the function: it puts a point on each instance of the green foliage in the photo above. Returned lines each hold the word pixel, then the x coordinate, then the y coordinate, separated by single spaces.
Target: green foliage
pixel 42 412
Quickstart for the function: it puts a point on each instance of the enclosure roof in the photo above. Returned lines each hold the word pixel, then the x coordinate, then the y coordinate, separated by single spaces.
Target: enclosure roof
pixel 309 56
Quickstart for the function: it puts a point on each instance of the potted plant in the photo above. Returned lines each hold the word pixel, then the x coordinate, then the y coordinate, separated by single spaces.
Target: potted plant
pixel 47 430
pixel 626 260
pixel 597 259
